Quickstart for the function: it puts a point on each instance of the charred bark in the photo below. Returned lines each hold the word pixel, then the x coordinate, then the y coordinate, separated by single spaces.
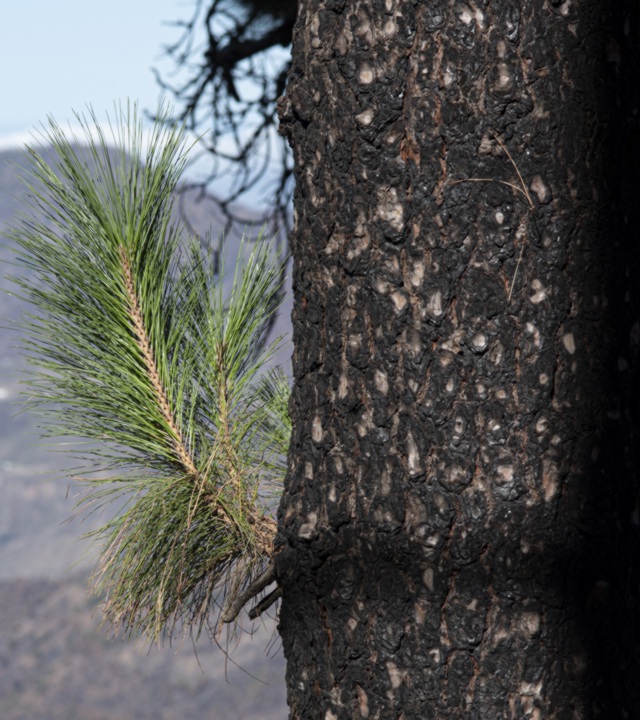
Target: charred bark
pixel 459 529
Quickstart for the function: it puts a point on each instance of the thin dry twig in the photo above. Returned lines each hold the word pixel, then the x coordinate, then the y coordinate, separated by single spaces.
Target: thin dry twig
pixel 260 583
pixel 522 189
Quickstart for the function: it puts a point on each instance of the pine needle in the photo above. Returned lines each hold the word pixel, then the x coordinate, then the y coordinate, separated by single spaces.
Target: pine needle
pixel 134 348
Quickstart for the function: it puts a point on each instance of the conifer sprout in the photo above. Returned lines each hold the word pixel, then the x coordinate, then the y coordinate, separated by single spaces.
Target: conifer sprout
pixel 135 349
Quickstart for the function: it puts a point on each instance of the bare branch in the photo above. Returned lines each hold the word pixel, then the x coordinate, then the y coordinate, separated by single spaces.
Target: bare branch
pixel 258 585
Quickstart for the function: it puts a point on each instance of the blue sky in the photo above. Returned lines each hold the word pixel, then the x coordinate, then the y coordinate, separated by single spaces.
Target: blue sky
pixel 59 56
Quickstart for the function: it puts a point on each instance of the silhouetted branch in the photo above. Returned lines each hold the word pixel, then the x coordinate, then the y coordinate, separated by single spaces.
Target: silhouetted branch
pixel 235 74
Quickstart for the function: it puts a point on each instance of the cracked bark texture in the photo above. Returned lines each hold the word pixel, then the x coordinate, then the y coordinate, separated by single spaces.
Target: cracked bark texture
pixel 459 528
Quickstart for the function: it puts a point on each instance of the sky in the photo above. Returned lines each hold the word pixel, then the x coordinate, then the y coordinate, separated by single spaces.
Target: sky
pixel 57 57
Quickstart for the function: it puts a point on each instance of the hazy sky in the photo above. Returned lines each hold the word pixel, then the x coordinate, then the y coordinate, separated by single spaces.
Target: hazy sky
pixel 56 57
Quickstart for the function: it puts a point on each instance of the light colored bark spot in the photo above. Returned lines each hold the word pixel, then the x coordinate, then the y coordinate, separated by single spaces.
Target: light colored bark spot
pixel 366 75
pixel 569 343
pixel 332 493
pixel 413 456
pixel 441 503
pixel 314 27
pixel 486 145
pixel 313 194
pixel 531 689
pixel 390 28
pixel 308 471
pixel 504 475
pixel 365 117
pixel 399 300
pixel 343 387
pixel 417 274
pixel 499 634
pixel 540 189
pixel 451 385
pixel 434 305
pixel 429 579
pixel 455 475
pixel 363 702
pixel 542 426
pixel 565 7
pixel 341 43
pixel 308 530
pixel 395 676
pixel 458 427
pixel 531 712
pixel 533 331
pixel 381 381
pixel 480 342
pixel 482 391
pixel 414 344
pixel 499 217
pixel 316 429
pixel 465 15
pixel 355 341
pixel 480 18
pixel 330 715
pixel 539 292
pixel 363 30
pixel 385 481
pixel 358 244
pixel 530 624
pixel 497 353
pixel 504 82
pixel 415 513
pixel 549 479
pixel 390 209
pixel 381 286
pixel 431 543
pixel 365 424
pixel 543 378
pixel 448 76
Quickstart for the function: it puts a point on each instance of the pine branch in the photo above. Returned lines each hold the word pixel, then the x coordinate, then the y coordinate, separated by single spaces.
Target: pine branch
pixel 135 349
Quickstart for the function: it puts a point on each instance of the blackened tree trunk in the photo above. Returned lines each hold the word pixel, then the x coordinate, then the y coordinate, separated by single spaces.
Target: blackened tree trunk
pixel 460 523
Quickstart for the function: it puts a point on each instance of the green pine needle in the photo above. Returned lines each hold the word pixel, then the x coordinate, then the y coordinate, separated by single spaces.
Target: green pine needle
pixel 135 349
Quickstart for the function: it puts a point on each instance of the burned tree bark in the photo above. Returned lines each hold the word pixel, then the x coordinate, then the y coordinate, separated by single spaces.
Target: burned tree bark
pixel 459 530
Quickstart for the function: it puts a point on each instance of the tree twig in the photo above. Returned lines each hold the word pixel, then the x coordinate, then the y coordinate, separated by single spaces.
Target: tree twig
pixel 260 583
pixel 265 603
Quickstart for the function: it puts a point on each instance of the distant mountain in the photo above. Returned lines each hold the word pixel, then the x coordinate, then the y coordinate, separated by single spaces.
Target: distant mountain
pixel 54 661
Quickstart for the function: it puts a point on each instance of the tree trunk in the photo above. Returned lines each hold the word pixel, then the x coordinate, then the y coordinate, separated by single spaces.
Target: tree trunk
pixel 460 521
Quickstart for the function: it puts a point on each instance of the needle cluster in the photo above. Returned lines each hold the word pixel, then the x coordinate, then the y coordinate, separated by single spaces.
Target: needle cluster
pixel 135 349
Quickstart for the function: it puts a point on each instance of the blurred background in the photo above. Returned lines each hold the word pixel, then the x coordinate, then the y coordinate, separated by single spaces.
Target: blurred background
pixel 55 659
